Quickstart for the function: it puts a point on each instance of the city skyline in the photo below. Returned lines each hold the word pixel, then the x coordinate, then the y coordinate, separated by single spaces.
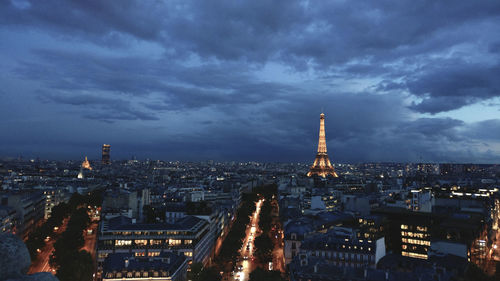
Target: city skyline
pixel 405 82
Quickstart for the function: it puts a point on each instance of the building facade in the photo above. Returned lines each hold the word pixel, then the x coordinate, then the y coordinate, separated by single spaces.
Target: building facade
pixel 189 236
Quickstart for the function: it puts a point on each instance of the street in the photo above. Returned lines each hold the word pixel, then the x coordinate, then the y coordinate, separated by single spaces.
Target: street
pixel 277 233
pixel 41 264
pixel 91 239
pixel 246 262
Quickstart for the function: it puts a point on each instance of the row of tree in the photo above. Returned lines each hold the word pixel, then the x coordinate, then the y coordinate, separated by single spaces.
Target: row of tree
pixel 71 262
pixel 37 238
pixel 234 239
pixel 263 243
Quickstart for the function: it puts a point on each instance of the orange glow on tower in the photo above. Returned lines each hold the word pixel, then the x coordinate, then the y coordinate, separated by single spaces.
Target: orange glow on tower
pixel 322 166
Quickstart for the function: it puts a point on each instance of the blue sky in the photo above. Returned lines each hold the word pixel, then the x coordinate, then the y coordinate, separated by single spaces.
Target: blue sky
pixel 247 80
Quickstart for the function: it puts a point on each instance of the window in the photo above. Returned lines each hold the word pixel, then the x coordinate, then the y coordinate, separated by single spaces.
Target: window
pixel 174 242
pixel 123 242
pixel 188 242
pixel 139 254
pixel 188 254
pixel 153 254
pixel 155 242
pixel 404 226
pixel 141 242
pixel 422 228
pixel 294 246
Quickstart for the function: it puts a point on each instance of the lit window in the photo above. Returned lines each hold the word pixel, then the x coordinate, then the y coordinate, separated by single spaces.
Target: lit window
pixel 123 242
pixel 174 242
pixel 141 242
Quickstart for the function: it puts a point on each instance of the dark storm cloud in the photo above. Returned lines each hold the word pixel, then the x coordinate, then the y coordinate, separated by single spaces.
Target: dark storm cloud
pixel 326 32
pixel 254 74
pixel 449 85
pixel 206 86
pixel 103 108
pixel 485 130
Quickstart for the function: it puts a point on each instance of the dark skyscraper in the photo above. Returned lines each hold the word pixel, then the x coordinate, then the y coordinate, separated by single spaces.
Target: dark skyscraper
pixel 106 148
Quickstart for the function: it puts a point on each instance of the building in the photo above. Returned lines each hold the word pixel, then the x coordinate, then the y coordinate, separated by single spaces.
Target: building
pixel 53 197
pixel 343 248
pixel 421 200
pixel 29 206
pixel 322 166
pixel 106 158
pixel 407 233
pixel 8 220
pixel 86 164
pixel 295 232
pixel 125 266
pixel 188 236
pixel 120 202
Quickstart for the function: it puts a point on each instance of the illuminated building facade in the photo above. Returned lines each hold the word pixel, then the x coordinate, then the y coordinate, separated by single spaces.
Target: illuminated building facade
pixel 106 159
pixel 86 163
pixel 407 232
pixel 415 241
pixel 322 166
pixel 188 236
pixel 165 267
pixel 344 251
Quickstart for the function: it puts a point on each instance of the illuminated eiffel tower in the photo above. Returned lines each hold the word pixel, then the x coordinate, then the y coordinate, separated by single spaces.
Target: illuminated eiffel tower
pixel 322 166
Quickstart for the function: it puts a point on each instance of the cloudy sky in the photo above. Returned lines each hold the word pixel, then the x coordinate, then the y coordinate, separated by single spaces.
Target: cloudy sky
pixel 398 80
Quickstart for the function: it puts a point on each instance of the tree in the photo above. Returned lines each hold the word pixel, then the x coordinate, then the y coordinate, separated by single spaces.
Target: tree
pixel 149 214
pixel 209 274
pixel 94 198
pixel 79 220
pixel 264 247
pixel 76 200
pixel 474 273
pixel 194 271
pixel 260 274
pixel 265 217
pixel 79 267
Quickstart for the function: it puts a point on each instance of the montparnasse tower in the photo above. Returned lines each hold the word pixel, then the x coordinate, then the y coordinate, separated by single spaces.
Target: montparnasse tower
pixel 322 166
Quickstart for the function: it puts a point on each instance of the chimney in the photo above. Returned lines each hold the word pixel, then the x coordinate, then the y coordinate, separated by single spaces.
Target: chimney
pixel 126 263
pixel 387 275
pixel 134 220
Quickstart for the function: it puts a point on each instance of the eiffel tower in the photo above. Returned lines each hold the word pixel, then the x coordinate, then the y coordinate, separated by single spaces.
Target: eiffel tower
pixel 322 166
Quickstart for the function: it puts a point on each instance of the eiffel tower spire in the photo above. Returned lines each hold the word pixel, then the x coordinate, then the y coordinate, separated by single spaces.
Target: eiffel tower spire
pixel 322 166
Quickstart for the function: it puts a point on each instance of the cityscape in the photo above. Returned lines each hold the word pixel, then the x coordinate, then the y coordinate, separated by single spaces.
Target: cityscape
pixel 249 140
